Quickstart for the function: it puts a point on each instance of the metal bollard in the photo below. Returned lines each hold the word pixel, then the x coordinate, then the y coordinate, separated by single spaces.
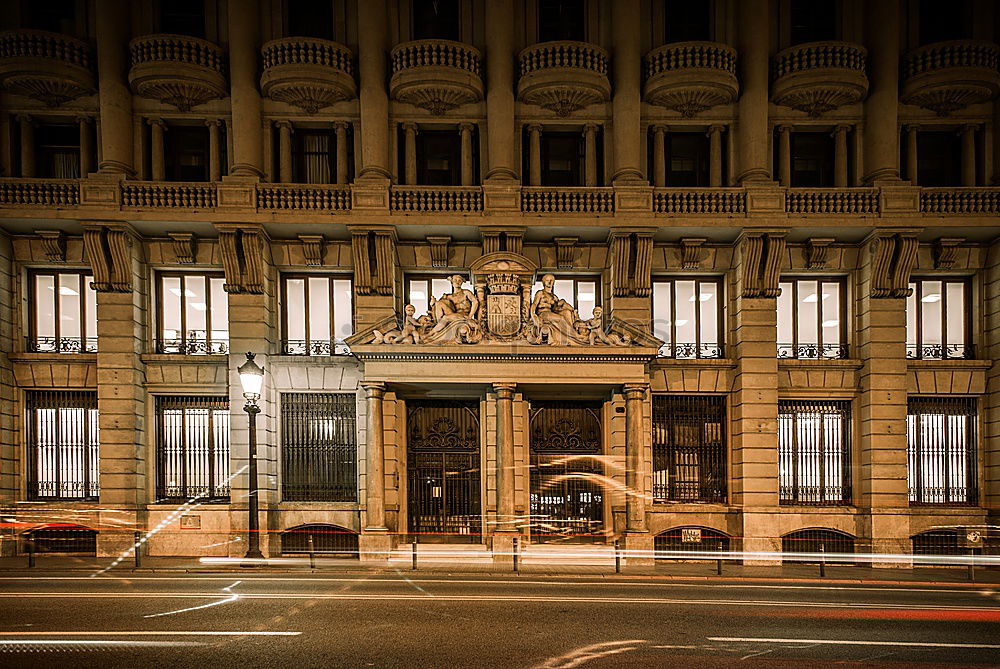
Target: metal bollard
pixel 517 568
pixel 414 566
pixel 972 565
pixel 136 547
pixel 718 563
pixel 822 560
pixel 31 552
pixel 618 556
pixel 312 553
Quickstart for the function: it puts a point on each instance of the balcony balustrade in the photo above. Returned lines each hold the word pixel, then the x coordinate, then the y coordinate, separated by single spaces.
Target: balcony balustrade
pixel 831 201
pixel 180 71
pixel 44 66
pixel 947 76
pixel 820 76
pixel 699 201
pixel 690 77
pixel 40 192
pixel 563 76
pixel 307 72
pixel 169 195
pixel 436 75
pixel 303 197
pixel 542 200
pixel 436 199
pixel 970 201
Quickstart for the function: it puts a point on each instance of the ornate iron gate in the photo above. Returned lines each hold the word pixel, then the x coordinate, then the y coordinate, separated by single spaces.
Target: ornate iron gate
pixel 567 497
pixel 443 469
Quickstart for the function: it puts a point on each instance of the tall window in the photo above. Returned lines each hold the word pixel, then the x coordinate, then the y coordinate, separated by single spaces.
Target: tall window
pixel 185 153
pixel 687 316
pixel 420 290
pixel 689 449
pixel 310 18
pixel 812 319
pixel 62 312
pixel 435 19
pixel 562 20
pixel 814 452
pixel 314 158
pixel 812 157
pixel 439 158
pixel 192 448
pixel 318 314
pixel 939 158
pixel 943 21
pixel 193 314
pixel 57 150
pixel 686 21
pixel 941 445
pixel 319 449
pixel 562 157
pixel 183 17
pixel 937 320
pixel 55 16
pixel 62 443
pixel 812 20
pixel 581 292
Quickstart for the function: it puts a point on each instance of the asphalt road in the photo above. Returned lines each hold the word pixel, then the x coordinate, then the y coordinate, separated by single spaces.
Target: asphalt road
pixel 406 620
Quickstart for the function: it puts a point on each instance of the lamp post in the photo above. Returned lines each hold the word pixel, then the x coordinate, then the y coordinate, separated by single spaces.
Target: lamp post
pixel 252 379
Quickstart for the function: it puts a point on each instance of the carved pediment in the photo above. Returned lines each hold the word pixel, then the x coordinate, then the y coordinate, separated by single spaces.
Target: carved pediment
pixel 502 261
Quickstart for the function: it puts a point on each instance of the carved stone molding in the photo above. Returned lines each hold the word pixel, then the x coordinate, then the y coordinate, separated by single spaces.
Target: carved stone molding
pixel 818 251
pixel 108 250
pixel 312 249
pixel 691 252
pixel 946 251
pixel 243 258
pixel 631 262
pixel 565 248
pixel 893 257
pixel 439 250
pixel 510 240
pixel 183 246
pixel 374 251
pixel 762 253
pixel 53 244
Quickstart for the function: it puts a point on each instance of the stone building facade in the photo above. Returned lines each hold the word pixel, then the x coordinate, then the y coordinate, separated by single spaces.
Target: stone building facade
pixel 785 212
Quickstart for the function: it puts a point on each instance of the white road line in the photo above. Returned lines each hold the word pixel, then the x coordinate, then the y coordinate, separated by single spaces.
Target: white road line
pixel 231 598
pixel 5 644
pixel 148 633
pixel 848 642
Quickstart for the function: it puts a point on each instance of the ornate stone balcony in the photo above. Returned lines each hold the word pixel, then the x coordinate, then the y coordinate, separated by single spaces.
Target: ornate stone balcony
pixel 948 76
pixel 832 201
pixel 968 201
pixel 699 201
pixel 303 197
pixel 40 192
pixel 820 76
pixel 47 67
pixel 690 77
pixel 307 72
pixel 177 70
pixel 563 76
pixel 436 75
pixel 543 200
pixel 436 199
pixel 169 195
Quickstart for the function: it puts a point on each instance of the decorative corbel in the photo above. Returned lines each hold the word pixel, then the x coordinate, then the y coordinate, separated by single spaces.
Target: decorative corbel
pixel 818 251
pixel 762 253
pixel 946 251
pixel 631 264
pixel 374 254
pixel 502 239
pixel 243 258
pixel 565 248
pixel 312 248
pixel 53 244
pixel 183 246
pixel 893 256
pixel 108 253
pixel 439 250
pixel 691 252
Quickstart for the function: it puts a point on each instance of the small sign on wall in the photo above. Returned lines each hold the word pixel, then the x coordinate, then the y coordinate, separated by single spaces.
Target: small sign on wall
pixel 691 535
pixel 190 522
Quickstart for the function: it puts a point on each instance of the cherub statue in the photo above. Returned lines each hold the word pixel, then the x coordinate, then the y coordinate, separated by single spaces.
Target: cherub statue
pixel 593 328
pixel 411 327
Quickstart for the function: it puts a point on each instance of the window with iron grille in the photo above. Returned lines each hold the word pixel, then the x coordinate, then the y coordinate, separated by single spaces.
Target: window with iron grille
pixel 814 452
pixel 62 445
pixel 691 539
pixel 817 541
pixel 689 449
pixel 326 540
pixel 812 319
pixel 319 448
pixel 193 314
pixel 687 316
pixel 61 538
pixel 62 312
pixel 941 445
pixel 937 320
pixel 192 448
pixel 317 313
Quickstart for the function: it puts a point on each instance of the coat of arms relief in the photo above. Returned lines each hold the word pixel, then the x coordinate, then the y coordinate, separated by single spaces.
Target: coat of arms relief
pixel 502 309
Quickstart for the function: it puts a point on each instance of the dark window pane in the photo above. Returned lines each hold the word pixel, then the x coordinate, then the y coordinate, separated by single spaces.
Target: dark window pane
pixel 186 153
pixel 812 159
pixel 813 21
pixel 941 21
pixel 561 20
pixel 57 16
pixel 183 17
pixel 319 448
pixel 57 151
pixel 687 159
pixel 689 448
pixel 562 159
pixel 314 157
pixel 686 21
pixel 939 158
pixel 439 155
pixel 310 18
pixel 435 19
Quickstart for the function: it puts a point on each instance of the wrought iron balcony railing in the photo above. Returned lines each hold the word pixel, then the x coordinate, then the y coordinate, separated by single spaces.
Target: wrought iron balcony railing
pixel 191 346
pixel 812 351
pixel 691 351
pixel 60 344
pixel 939 352
pixel 313 347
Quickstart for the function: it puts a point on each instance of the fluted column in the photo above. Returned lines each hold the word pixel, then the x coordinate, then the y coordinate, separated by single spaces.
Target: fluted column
pixel 881 136
pixel 27 130
pixel 590 154
pixel 465 130
pixel 626 105
pixel 840 156
pixel 157 165
pixel 114 96
pixel 372 22
pixel 535 154
pixel 500 90
pixel 214 155
pixel 659 156
pixel 785 155
pixel 244 43
pixel 410 152
pixel 635 506
pixel 340 128
pixel 715 155
pixel 911 153
pixel 284 151
pixel 375 448
pixel 505 455
pixel 753 20
pixel 968 135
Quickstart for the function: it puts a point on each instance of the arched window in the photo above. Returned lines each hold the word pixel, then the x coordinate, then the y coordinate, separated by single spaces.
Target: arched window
pixel 938 542
pixel 816 540
pixel 326 540
pixel 689 539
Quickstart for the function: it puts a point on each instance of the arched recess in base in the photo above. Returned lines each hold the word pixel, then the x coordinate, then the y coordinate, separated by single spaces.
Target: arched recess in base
pixel 817 540
pixel 326 540
pixel 689 539
pixel 63 538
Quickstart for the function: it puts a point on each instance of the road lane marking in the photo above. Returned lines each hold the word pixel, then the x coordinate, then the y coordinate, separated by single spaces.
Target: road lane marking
pixel 149 633
pixel 231 598
pixel 15 645
pixel 849 642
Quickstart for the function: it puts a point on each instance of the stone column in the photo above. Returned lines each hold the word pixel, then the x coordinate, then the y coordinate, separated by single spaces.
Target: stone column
pixel 635 395
pixel 785 155
pixel 715 155
pixel 27 128
pixel 465 129
pixel 911 153
pixel 244 44
pixel 340 128
pixel 214 157
pixel 500 129
pixel 840 156
pixel 157 165
pixel 505 455
pixel 881 136
pixel 659 156
pixel 753 19
pixel 590 154
pixel 284 151
pixel 968 135
pixel 86 146
pixel 375 449
pixel 410 152
pixel 626 106
pixel 535 154
pixel 372 23
pixel 115 98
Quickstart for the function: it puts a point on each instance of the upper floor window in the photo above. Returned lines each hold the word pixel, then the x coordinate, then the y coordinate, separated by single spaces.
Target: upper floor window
pixel 814 452
pixel 193 314
pixel 62 310
pixel 944 21
pixel 941 445
pixel 319 447
pixel 687 316
pixel 439 158
pixel 562 20
pixel 689 449
pixel 937 319
pixel 185 153
pixel 939 158
pixel 192 449
pixel 315 161
pixel 309 18
pixel 57 150
pixel 581 292
pixel 182 17
pixel 317 313
pixel 435 19
pixel 812 321
pixel 54 16
pixel 62 440
pixel 812 159
pixel 422 291
pixel 562 155
pixel 687 159
pixel 686 21
pixel 812 21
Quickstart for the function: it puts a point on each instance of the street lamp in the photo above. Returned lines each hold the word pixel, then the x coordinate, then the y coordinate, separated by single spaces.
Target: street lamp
pixel 252 378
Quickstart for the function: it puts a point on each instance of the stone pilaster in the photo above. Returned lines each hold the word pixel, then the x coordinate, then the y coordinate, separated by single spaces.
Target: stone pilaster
pixel 244 45
pixel 115 97
pixel 638 540
pixel 991 410
pixel 374 259
pixel 626 107
pixel 500 92
pixel 506 466
pixel 375 541
pixel 752 145
pixel 372 24
pixel 10 470
pixel 881 136
pixel 631 257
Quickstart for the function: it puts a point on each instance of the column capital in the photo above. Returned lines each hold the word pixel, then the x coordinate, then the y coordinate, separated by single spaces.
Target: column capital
pixel 504 390
pixel 341 125
pixel 635 391
pixel 534 127
pixel 466 127
pixel 660 128
pixel 84 118
pixel 213 122
pixel 590 127
pixel 716 128
pixel 784 128
pixel 841 129
pixel 374 389
pixel 284 123
pixel 156 121
pixel 23 118
pixel 969 127
pixel 410 126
